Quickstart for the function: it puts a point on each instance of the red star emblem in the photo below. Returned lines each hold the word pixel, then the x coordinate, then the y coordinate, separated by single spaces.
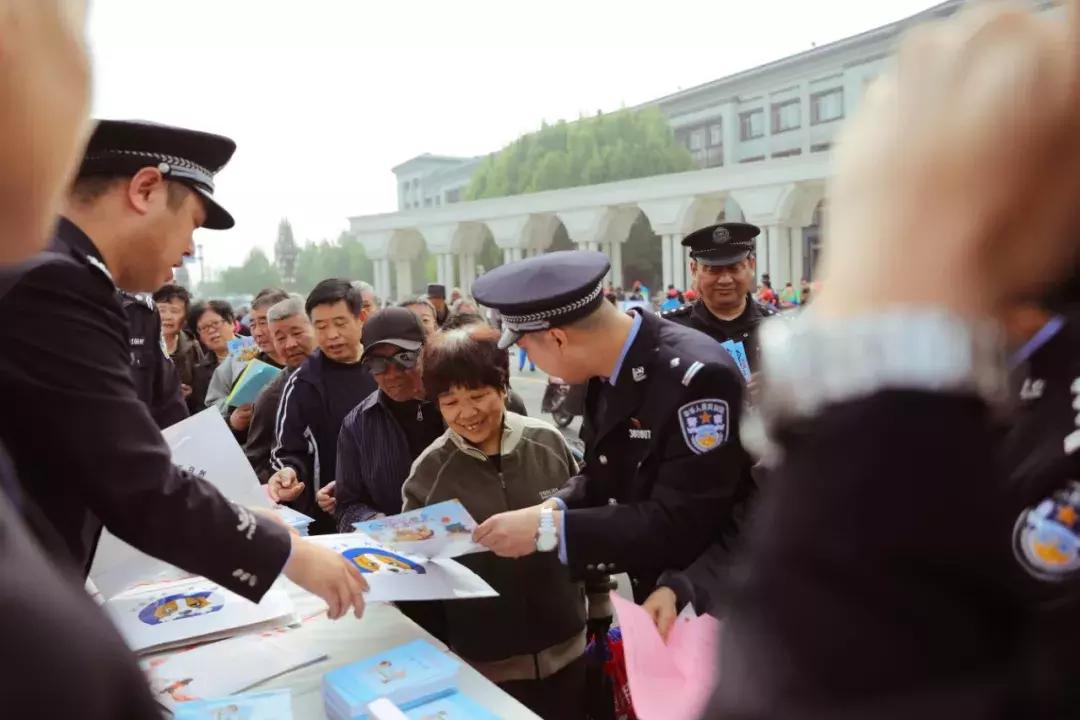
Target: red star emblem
pixel 706 417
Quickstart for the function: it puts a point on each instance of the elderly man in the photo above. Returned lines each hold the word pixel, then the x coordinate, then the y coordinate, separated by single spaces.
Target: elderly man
pixel 227 372
pixel 424 312
pixel 388 430
pixel 294 341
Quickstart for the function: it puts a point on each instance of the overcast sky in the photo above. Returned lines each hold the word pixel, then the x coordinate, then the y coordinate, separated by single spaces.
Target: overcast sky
pixel 324 96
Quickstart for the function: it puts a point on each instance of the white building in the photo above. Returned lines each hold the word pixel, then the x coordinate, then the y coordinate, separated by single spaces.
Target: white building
pixel 761 139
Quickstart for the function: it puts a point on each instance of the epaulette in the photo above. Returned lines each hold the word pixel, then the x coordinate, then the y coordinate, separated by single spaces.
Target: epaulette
pixel 130 298
pixel 680 311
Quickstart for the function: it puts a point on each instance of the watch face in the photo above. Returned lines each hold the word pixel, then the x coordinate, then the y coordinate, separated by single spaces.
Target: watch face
pixel 546 542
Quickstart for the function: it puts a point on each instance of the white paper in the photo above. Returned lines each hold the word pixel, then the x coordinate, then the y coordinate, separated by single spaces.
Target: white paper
pixel 203 445
pixel 230 666
pixel 393 575
pixel 166 614
pixel 443 530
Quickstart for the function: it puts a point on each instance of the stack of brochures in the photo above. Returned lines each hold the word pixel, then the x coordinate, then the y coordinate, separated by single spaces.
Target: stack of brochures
pixel 270 705
pixel 256 376
pixel 296 520
pixel 409 676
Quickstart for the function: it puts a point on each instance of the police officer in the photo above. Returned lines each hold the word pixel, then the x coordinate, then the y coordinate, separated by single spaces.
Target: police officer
pixel 722 266
pixel 661 428
pixel 157 381
pixel 85 448
pixel 1040 454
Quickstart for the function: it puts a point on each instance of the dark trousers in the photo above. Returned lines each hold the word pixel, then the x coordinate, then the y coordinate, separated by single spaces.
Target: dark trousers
pixel 558 697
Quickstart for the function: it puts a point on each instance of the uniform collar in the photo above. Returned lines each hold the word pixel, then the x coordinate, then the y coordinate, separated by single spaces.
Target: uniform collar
pixel 626 348
pixel 81 246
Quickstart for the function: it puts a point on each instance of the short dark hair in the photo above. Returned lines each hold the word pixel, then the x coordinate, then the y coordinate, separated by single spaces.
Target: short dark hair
pixel 466 357
pixel 268 297
pixel 333 291
pixel 461 320
pixel 221 307
pixel 89 188
pixel 169 292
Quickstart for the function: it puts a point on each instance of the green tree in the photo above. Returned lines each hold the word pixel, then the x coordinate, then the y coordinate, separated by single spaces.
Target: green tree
pixel 255 274
pixel 603 148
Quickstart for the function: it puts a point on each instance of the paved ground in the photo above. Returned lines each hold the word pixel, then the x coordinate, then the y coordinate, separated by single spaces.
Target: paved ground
pixel 531 385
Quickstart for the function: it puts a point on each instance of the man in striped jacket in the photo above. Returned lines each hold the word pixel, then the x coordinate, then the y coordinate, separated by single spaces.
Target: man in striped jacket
pixel 317 397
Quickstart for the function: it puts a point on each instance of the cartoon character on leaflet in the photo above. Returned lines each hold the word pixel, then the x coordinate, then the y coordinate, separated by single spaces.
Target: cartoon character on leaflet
pixel 416 533
pixel 1046 539
pixel 181 606
pixel 376 560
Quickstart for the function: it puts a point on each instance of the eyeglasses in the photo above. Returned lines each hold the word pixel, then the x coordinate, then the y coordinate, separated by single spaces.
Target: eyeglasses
pixel 207 327
pixel 405 360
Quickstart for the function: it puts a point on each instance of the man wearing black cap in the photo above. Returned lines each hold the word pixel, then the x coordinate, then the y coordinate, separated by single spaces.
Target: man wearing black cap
pixel 382 436
pixel 722 267
pixel 664 462
pixel 142 189
pixel 436 295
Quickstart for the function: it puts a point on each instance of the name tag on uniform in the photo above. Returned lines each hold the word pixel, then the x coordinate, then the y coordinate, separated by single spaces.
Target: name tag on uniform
pixel 640 434
pixel 138 341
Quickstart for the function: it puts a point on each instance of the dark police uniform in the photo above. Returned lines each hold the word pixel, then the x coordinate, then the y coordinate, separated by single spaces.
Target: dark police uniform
pixel 724 244
pixel 1041 456
pixel 881 579
pixel 85 448
pixel 156 380
pixel 61 656
pixel 664 462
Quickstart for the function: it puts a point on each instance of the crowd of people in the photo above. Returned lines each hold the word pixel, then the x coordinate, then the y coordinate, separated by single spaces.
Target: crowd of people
pixel 904 542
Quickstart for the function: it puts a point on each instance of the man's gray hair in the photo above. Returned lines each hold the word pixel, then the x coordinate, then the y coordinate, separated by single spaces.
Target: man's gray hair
pixel 291 306
pixel 363 286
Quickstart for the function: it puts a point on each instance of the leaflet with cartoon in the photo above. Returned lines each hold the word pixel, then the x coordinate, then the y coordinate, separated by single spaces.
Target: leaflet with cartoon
pixel 165 614
pixel 395 575
pixel 443 530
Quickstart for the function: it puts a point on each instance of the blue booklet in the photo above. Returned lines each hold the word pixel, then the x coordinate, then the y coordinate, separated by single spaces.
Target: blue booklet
pixel 243 348
pixel 255 377
pixel 271 705
pixel 408 675
pixel 738 352
pixel 452 707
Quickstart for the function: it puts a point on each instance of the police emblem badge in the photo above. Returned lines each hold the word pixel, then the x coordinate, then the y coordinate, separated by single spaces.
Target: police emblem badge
pixel 1046 538
pixel 721 236
pixel 704 424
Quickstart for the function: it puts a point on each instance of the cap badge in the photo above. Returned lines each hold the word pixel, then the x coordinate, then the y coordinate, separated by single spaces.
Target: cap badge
pixel 721 235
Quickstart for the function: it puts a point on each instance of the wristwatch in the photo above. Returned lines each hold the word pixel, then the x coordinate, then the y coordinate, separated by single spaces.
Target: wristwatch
pixel 810 363
pixel 547 539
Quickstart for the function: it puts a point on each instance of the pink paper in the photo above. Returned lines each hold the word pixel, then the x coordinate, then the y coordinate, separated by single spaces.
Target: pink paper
pixel 673 680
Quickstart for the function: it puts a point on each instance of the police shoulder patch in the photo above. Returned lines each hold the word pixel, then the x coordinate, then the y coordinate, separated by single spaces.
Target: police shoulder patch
pixel 1046 538
pixel 704 424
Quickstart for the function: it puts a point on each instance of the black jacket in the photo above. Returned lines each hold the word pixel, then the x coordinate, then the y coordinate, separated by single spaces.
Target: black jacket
pixel 742 329
pixel 308 427
pixel 880 580
pixel 157 381
pixel 260 433
pixel 61 656
pixel 664 465
pixel 85 448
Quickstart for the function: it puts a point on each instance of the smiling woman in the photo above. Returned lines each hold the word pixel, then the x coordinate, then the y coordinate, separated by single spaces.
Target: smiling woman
pixel 530 638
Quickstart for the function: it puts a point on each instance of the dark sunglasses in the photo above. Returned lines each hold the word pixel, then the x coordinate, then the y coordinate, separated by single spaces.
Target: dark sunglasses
pixel 405 360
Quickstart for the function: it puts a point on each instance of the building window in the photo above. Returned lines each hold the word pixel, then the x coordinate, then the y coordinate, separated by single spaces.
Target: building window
pixel 820 147
pixel 697 139
pixel 827 106
pixel 752 124
pixel 453 196
pixel 786 116
pixel 716 134
pixel 427 202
